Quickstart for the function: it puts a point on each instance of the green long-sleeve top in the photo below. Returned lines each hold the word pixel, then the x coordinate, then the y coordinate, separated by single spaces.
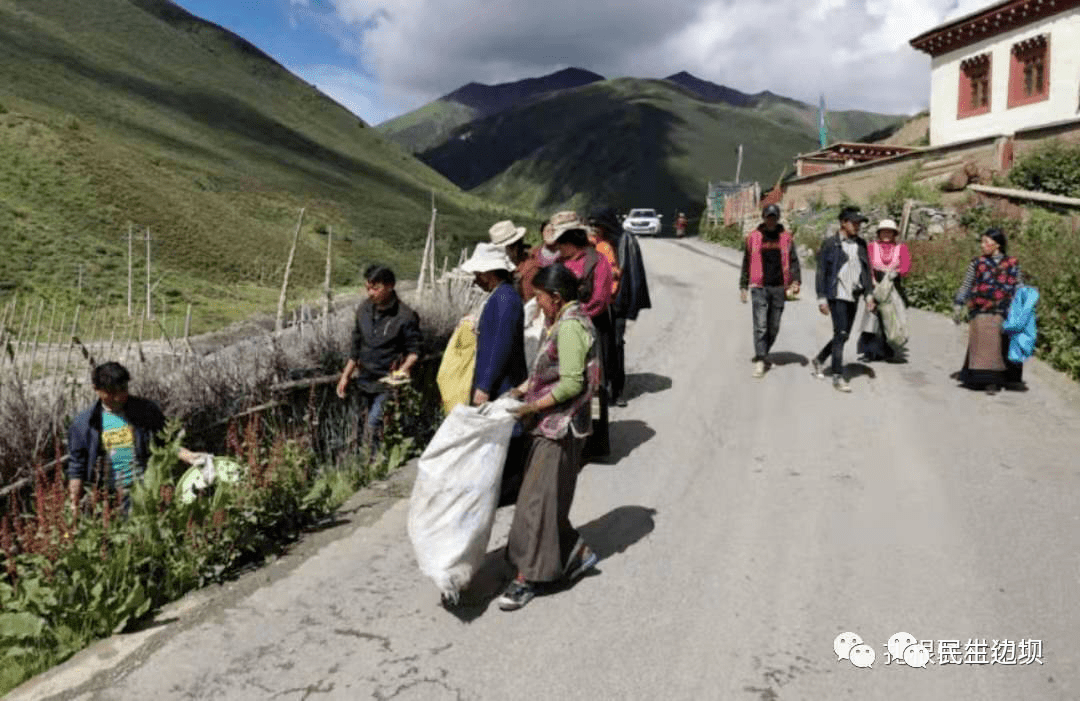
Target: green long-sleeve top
pixel 573 343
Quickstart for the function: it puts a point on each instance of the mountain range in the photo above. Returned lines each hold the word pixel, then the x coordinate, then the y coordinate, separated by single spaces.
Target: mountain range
pixel 121 113
pixel 576 139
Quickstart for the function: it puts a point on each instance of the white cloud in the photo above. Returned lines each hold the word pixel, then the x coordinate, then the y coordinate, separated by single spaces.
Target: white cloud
pixel 857 54
pixel 359 94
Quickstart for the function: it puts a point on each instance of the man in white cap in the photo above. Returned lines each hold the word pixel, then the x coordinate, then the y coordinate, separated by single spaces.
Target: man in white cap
pixel 500 339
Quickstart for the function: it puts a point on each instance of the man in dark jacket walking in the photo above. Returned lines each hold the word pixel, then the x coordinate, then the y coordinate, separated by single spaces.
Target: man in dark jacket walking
pixel 843 276
pixel 631 296
pixel 770 269
pixel 386 343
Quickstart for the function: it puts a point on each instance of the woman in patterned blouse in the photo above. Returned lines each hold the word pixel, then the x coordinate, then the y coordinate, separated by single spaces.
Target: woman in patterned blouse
pixel 983 299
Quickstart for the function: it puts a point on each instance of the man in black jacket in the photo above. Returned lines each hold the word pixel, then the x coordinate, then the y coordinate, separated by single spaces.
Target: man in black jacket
pixel 843 276
pixel 631 296
pixel 386 343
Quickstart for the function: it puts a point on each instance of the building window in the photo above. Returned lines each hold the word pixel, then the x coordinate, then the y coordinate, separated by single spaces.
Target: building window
pixel 1029 73
pixel 974 86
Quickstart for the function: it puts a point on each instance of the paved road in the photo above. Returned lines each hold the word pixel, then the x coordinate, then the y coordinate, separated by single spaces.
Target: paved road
pixel 743 525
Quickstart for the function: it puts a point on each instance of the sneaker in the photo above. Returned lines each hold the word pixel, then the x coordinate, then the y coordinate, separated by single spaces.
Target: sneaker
pixel 759 369
pixel 817 369
pixel 517 593
pixel 840 384
pixel 582 559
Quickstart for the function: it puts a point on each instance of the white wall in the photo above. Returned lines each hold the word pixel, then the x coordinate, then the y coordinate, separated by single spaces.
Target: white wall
pixel 1063 103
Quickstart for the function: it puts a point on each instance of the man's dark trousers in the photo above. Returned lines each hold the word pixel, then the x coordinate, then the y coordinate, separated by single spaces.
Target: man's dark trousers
pixel 843 318
pixel 618 367
pixel 768 306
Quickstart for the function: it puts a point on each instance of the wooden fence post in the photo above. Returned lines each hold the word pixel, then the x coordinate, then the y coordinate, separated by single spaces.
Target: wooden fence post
pixel 327 300
pixel 149 308
pixel 37 333
pixel 279 323
pixel 187 331
pixel 71 340
pixel 131 239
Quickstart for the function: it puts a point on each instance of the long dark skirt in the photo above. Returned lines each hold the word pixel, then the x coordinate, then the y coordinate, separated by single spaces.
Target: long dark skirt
pixel 541 536
pixel 987 359
pixel 873 345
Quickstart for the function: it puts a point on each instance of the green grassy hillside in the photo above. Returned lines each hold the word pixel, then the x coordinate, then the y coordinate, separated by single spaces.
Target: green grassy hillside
pixel 428 126
pixel 121 112
pixel 629 142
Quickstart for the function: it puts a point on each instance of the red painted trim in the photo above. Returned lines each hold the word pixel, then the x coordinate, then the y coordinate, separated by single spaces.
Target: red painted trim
pixel 1018 97
pixel 965 107
pixel 997 19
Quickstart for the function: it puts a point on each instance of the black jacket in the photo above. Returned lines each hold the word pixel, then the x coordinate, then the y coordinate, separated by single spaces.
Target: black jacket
pixel 831 258
pixel 633 293
pixel 382 338
pixel 84 439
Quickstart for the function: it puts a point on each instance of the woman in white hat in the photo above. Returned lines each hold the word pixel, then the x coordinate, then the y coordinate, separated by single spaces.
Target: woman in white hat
pixel 500 344
pixel 888 259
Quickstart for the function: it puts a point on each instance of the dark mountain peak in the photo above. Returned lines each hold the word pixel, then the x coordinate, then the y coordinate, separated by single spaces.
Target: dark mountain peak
pixel 711 91
pixel 769 96
pixel 490 99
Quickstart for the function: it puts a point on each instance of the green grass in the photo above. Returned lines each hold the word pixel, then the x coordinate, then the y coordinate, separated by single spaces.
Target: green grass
pixel 428 126
pixel 134 112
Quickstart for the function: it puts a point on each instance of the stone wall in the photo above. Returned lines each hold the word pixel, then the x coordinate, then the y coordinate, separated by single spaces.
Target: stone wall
pixel 952 167
pixel 858 182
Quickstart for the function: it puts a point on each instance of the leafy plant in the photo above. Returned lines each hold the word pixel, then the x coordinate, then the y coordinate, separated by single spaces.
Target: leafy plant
pixel 905 188
pixel 728 235
pixel 67 580
pixel 1053 168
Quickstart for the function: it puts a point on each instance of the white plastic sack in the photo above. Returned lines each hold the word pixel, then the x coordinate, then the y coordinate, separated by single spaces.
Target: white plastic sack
pixel 456 492
pixel 534 330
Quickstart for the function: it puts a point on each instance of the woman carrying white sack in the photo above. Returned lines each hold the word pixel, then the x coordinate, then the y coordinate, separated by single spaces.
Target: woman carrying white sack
pixel 543 546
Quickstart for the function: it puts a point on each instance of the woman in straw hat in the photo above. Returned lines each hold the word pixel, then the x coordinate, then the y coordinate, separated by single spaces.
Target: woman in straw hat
pixel 569 236
pixel 891 261
pixel 542 544
pixel 500 348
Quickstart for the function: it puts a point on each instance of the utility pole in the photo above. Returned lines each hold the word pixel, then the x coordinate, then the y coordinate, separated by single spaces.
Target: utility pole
pixel 738 166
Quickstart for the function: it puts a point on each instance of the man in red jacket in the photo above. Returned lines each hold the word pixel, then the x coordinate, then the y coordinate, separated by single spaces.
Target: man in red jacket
pixel 770 269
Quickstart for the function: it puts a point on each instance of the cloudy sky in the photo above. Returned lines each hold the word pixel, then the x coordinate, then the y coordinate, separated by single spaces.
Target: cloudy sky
pixel 382 58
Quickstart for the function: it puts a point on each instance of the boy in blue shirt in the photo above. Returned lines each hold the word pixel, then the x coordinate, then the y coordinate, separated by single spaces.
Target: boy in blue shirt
pixel 109 443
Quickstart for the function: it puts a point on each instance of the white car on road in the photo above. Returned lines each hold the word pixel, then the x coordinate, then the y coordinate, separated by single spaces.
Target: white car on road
pixel 642 221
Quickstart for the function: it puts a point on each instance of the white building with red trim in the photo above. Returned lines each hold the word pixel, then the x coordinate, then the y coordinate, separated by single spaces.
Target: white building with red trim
pixel 1008 67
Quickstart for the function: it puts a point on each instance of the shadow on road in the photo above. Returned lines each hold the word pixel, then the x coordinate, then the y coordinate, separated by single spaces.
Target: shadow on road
pixel 618 529
pixel 640 383
pixel 623 436
pixel 853 370
pixel 487 583
pixel 607 535
pixel 781 358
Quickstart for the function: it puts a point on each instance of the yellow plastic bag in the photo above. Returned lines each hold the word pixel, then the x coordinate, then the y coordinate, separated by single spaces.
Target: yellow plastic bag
pixel 458 364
